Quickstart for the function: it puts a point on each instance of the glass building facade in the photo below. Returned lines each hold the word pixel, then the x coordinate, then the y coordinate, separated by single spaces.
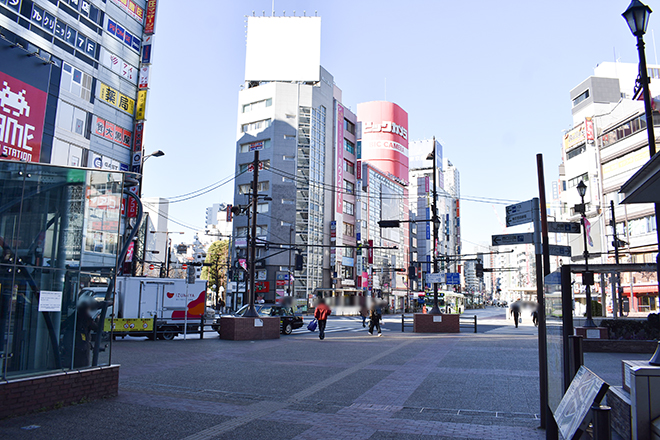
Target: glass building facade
pixel 59 239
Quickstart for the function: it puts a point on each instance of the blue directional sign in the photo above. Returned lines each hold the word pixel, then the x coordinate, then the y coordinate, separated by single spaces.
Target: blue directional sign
pixel 501 240
pixel 453 278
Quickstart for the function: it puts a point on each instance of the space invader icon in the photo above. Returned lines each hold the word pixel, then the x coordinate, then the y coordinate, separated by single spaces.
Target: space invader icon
pixel 14 103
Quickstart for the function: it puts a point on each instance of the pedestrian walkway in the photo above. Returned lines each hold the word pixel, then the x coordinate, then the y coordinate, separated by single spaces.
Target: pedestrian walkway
pixel 349 386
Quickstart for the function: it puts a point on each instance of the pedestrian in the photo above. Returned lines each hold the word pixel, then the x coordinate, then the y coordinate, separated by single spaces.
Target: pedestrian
pixel 321 314
pixel 535 315
pixel 364 313
pixel 515 311
pixel 374 319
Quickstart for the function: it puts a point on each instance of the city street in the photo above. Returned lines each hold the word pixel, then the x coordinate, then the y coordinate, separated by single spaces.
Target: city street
pixel 349 386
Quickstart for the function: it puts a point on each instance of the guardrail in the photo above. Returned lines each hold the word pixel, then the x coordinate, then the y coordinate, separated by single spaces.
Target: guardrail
pixel 466 321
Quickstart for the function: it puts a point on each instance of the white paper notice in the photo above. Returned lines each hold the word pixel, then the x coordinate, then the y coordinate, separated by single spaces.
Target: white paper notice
pixel 50 301
pixel 258 322
pixel 437 318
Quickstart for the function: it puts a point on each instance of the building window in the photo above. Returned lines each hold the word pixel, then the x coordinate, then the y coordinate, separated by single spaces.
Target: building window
pixel 349 167
pixel 576 151
pixel 584 95
pixel 349 187
pixel 575 180
pixel 347 252
pixel 256 125
pixel 347 272
pixel 247 188
pixel 349 208
pixel 257 105
pixel 245 148
pixel 76 82
pixel 624 130
pixel 349 146
pixel 262 208
pixel 349 229
pixel 350 127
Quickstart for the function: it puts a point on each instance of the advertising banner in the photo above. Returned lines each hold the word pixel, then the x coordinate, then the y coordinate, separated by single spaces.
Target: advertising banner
pixel 141 105
pixel 131 8
pixel 129 325
pixel 146 50
pixel 23 99
pixel 116 99
pixel 139 133
pixel 143 81
pixel 385 137
pixel 150 22
pixel 370 252
pixel 340 157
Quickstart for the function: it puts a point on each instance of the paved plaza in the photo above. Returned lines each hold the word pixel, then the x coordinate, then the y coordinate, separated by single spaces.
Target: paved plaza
pixel 348 386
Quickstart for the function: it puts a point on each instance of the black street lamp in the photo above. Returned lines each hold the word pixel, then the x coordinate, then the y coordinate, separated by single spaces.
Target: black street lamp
pixel 432 156
pixel 587 277
pixel 637 16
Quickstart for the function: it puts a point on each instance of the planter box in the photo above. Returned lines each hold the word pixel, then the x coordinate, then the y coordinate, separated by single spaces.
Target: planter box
pixel 237 328
pixel 618 346
pixel 424 323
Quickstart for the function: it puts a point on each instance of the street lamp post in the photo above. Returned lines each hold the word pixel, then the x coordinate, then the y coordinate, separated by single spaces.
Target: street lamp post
pixel 435 310
pixel 637 16
pixel 587 277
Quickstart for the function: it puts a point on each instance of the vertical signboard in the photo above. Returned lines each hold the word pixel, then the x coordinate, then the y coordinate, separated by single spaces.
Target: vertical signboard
pixel 150 22
pixel 339 185
pixel 384 139
pixel 23 95
pixel 141 105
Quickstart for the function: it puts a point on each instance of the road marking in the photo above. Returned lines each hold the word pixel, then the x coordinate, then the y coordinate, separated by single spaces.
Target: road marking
pixel 263 408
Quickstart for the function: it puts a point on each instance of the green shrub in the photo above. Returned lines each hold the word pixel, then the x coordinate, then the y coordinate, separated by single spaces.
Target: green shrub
pixel 632 328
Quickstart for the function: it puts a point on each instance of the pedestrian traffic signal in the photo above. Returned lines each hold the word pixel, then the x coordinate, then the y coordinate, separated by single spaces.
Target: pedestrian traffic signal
pixel 299 262
pixel 480 270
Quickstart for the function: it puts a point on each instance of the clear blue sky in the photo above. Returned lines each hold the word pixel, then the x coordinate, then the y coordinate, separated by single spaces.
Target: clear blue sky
pixel 489 79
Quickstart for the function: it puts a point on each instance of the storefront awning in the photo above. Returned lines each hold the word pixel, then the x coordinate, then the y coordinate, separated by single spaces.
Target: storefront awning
pixel 653 288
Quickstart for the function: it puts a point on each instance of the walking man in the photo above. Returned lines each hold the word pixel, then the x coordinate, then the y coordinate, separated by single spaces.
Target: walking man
pixel 515 311
pixel 374 319
pixel 321 314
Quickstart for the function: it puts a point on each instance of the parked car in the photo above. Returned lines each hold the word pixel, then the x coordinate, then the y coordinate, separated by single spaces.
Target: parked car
pixel 288 320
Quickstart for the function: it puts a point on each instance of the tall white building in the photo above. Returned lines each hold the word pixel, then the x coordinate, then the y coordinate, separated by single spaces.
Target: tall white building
pixel 606 146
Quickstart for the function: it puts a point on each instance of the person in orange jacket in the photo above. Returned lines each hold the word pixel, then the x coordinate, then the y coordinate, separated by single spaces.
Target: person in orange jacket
pixel 321 314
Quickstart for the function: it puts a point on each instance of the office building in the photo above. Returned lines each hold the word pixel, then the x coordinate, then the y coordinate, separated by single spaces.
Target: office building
pixel 606 146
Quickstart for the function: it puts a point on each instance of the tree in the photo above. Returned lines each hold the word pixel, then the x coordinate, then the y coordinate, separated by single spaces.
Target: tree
pixel 216 271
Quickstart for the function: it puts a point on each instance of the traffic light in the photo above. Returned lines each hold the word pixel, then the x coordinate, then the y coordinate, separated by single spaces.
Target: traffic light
pixel 389 223
pixel 299 262
pixel 480 270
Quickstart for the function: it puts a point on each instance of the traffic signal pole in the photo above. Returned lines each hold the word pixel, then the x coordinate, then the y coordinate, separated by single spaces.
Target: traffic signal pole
pixel 251 311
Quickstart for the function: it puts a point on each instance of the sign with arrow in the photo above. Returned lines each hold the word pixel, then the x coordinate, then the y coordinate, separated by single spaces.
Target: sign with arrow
pixel 560 251
pixel 453 278
pixel 507 239
pixel 520 213
pixel 564 227
pixel 435 278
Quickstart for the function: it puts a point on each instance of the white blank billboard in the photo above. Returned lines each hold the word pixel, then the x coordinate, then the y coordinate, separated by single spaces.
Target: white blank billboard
pixel 283 49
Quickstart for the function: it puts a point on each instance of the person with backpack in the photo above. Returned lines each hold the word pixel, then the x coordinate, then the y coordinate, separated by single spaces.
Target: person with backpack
pixel 375 315
pixel 321 314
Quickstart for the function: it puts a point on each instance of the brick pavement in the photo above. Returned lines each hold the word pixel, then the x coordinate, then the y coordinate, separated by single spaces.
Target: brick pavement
pixel 350 386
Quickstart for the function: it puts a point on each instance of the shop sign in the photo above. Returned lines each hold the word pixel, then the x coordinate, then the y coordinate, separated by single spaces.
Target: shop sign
pixel 22 112
pixel 121 34
pixel 150 22
pixel 141 107
pixel 146 49
pixel 119 66
pixel 112 132
pixel 131 8
pixel 143 81
pixel 116 99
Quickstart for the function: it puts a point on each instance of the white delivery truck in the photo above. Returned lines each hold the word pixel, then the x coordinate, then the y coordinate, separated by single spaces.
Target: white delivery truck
pixel 169 304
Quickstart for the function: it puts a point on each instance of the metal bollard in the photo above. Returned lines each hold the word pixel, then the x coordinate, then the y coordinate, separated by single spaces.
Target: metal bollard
pixel 475 323
pixel 402 323
pixel 601 422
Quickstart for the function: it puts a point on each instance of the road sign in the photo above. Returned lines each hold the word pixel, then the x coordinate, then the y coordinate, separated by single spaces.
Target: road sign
pixel 564 227
pixel 561 251
pixel 257 146
pixel 520 207
pixel 520 213
pixel 519 219
pixel 453 278
pixel 501 240
pixel 435 278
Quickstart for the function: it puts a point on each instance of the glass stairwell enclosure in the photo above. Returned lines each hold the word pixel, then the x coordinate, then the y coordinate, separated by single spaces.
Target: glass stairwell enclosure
pixel 59 239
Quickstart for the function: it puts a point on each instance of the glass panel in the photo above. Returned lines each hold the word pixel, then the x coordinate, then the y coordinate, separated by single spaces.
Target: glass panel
pixel 46 214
